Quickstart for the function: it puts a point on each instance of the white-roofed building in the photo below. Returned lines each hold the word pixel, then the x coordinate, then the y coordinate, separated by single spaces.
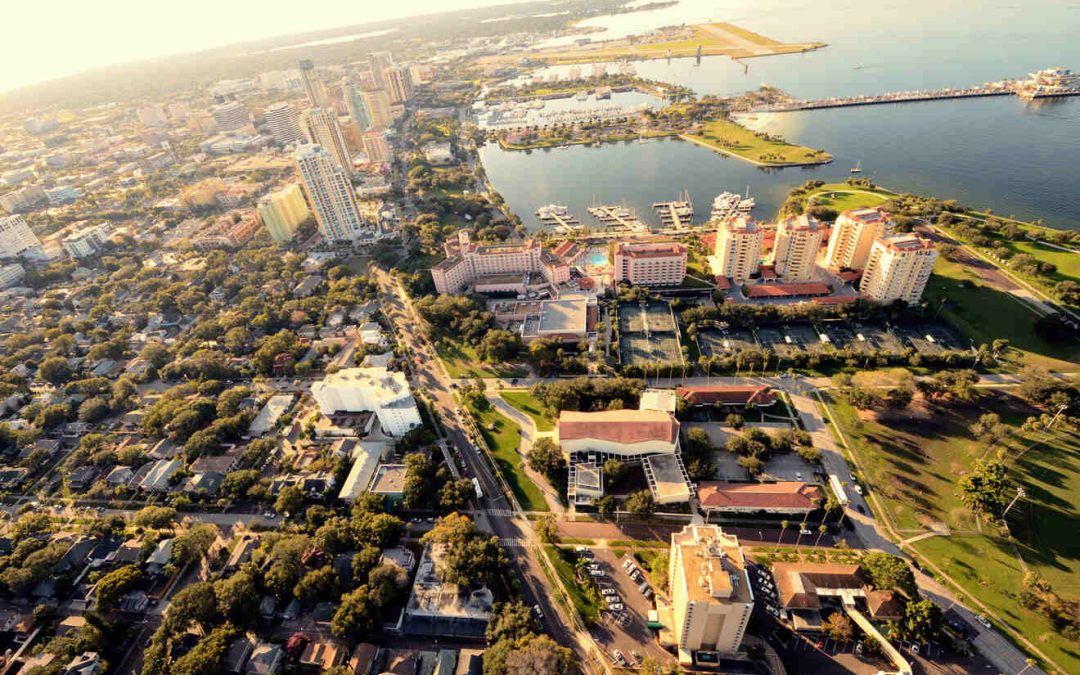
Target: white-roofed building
pixel 376 390
pixel 366 456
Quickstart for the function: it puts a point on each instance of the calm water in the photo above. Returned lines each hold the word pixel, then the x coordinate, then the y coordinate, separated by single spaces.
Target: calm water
pixel 1000 153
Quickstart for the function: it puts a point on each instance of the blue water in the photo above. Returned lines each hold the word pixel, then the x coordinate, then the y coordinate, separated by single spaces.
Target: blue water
pixel 1001 153
pixel 597 259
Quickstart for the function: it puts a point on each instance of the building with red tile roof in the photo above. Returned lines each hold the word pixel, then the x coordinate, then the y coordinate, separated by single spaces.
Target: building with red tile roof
pixel 788 497
pixel 759 396
pixel 805 290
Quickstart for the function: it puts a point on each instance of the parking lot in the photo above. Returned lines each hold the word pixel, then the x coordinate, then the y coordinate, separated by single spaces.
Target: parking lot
pixel 716 342
pixel 626 629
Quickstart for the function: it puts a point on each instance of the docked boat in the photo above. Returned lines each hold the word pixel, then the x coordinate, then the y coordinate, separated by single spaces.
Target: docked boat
pixel 729 204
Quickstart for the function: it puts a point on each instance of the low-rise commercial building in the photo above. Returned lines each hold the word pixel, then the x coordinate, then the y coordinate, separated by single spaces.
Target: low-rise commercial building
pixel 86 241
pixel 376 390
pixel 790 498
pixel 650 264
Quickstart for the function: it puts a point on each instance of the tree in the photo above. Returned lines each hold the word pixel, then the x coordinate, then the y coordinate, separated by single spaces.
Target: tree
pixel 605 505
pixel 54 370
pixel 236 484
pixel 498 346
pixel 641 503
pixel 983 488
pixel 111 587
pixel 93 410
pixel 238 596
pixel 419 489
pixel 545 457
pixel 290 500
pixel 196 603
pixel 318 585
pixel 531 655
pixel 989 429
pixel 472 558
pixel 357 615
pixel 735 421
pixel 455 494
pixel 922 620
pixel 205 658
pixel 838 627
pixel 547 528
pixel 377 529
pixel 752 464
pixel 193 543
pixel 510 621
pixel 156 517
pixel 889 572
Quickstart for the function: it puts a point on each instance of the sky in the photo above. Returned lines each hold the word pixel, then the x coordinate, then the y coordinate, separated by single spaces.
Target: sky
pixel 53 38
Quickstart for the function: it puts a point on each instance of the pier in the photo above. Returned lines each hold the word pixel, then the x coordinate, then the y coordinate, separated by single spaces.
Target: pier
pixel 615 216
pixel 559 217
pixel 675 215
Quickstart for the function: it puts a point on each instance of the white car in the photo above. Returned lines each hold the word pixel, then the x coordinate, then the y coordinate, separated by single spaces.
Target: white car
pixel 805 532
pixel 984 621
pixel 597 573
pixel 617 607
pixel 611 599
pixel 607 591
pixel 798 475
pixel 857 488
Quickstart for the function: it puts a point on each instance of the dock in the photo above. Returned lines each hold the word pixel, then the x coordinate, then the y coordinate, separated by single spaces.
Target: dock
pixel 617 217
pixel 676 215
pixel 558 217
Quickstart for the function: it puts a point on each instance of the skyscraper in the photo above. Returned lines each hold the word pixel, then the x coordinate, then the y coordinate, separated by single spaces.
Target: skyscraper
pixel 852 236
pixel 738 248
pixel 378 62
pixel 376 147
pixel 898 268
pixel 798 240
pixel 282 212
pixel 354 101
pixel 377 102
pixel 284 123
pixel 313 86
pixel 399 84
pixel 230 116
pixel 330 194
pixel 322 128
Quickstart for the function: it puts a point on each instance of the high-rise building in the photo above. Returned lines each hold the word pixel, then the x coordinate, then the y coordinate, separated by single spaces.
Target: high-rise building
pixel 711 600
pixel 738 248
pixel 656 264
pixel 284 123
pixel 313 86
pixel 282 212
pixel 152 116
pixel 852 236
pixel 377 102
pixel 378 62
pixel 376 147
pixel 86 241
pixel 16 238
pixel 354 101
pixel 798 240
pixel 330 194
pixel 230 116
pixel 399 84
pixel 898 268
pixel 322 129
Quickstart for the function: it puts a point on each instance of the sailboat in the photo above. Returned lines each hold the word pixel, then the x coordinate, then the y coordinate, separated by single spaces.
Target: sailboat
pixel 857 168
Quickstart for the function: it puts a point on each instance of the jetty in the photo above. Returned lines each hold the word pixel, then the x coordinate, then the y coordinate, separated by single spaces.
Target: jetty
pixel 559 217
pixel 676 215
pixel 614 216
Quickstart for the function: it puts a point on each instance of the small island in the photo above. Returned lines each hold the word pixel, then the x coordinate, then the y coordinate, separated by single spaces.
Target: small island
pixel 757 147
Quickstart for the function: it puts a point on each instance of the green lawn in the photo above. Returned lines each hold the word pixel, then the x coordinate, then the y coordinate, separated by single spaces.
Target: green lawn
pixel 729 137
pixel 527 403
pixel 503 437
pixel 461 361
pixel 584 596
pixel 845 197
pixel 912 465
pixel 418 262
pixel 984 314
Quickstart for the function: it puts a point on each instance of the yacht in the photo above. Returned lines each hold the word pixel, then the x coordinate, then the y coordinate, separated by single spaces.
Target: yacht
pixel 728 204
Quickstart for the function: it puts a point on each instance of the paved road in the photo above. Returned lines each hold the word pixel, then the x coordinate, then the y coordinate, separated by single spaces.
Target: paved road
pixel 431 376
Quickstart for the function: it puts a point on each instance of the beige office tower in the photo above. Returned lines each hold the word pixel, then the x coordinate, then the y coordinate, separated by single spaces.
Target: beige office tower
pixel 321 125
pixel 399 84
pixel 711 601
pixel 852 236
pixel 313 86
pixel 284 123
pixel 798 240
pixel 378 106
pixel 898 268
pixel 330 194
pixel 738 248
pixel 376 147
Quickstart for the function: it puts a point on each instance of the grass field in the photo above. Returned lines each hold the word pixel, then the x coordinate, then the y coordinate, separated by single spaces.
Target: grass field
pixel 584 596
pixel 503 437
pixel 844 197
pixel 734 139
pixel 461 361
pixel 912 466
pixel 527 403
pixel 984 314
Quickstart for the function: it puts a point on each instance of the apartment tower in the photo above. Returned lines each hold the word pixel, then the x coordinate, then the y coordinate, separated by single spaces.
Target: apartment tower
pixel 282 212
pixel 898 268
pixel 738 248
pixel 322 129
pixel 853 235
pixel 330 194
pixel 313 86
pixel 654 264
pixel 798 240
pixel 284 123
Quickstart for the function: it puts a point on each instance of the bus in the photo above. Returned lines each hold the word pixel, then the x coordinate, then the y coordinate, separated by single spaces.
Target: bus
pixel 479 492
pixel 841 496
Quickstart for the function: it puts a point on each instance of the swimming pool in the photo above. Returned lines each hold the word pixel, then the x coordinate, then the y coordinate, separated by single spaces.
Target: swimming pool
pixel 596 259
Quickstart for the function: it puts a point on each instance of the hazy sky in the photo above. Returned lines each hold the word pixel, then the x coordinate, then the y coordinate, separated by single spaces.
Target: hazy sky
pixel 45 39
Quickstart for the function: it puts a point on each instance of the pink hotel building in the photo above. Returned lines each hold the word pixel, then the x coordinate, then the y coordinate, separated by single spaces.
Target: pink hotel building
pixel 652 264
pixel 494 265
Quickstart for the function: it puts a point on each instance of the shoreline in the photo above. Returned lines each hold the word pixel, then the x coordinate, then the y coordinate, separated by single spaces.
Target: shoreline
pixel 765 165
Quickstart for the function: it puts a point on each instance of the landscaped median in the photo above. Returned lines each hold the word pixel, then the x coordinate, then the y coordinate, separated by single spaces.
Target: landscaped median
pixel 503 438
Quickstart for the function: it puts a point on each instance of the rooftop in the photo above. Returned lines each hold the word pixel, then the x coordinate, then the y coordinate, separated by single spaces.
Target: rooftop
pixel 389 480
pixel 712 563
pixel 787 290
pixel 723 395
pixel 564 316
pixel 721 495
pixel 619 426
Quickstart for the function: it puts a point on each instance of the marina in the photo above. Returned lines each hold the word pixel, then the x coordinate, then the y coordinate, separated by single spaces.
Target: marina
pixel 676 215
pixel 618 217
pixel 559 217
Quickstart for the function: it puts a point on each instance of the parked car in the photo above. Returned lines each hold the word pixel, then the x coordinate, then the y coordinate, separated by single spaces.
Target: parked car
pixel 618 656
pixel 539 612
pixel 607 591
pixel 612 599
pixel 617 607
pixel 805 532
pixel 597 573
pixel 984 621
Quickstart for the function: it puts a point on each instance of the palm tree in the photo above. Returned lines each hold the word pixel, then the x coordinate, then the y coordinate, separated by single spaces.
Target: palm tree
pixel 821 530
pixel 783 527
pixel 802 527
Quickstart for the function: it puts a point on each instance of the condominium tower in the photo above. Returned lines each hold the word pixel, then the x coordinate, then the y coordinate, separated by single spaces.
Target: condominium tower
pixel 375 147
pixel 798 240
pixel 283 211
pixel 898 268
pixel 313 86
pixel 284 123
pixel 230 116
pixel 377 102
pixel 738 248
pixel 655 264
pixel 354 101
pixel 852 236
pixel 330 194
pixel 16 238
pixel 711 600
pixel 378 62
pixel 399 84
pixel 322 129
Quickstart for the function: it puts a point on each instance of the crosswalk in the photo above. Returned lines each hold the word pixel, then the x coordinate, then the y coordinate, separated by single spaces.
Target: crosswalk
pixel 512 542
